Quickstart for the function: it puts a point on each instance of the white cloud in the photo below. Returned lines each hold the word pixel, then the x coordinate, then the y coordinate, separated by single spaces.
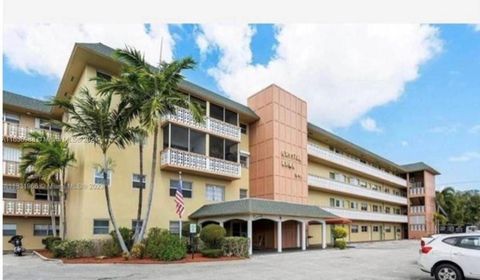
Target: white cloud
pixel 404 143
pixel 370 124
pixel 475 129
pixel 468 156
pixel 342 71
pixel 45 48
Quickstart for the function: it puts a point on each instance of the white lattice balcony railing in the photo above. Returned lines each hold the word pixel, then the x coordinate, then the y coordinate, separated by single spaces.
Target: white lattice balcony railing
pixel 200 163
pixel 11 168
pixel 417 209
pixel 321 153
pixel 184 117
pixel 416 191
pixel 22 133
pixel 366 216
pixel 336 186
pixel 30 208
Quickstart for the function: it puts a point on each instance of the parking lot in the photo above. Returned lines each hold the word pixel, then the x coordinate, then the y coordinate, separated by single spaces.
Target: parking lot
pixel 380 260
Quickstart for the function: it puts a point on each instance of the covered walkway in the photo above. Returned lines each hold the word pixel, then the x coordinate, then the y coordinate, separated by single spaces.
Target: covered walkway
pixel 269 224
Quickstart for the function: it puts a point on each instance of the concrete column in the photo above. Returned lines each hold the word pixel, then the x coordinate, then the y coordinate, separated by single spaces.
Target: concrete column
pixel 299 232
pixel 324 235
pixel 249 235
pixel 220 224
pixel 304 236
pixel 279 236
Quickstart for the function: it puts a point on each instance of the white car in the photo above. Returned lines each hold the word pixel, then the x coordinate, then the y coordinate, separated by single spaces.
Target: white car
pixel 452 257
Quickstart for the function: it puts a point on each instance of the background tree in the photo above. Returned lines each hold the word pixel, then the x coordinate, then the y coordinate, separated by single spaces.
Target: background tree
pixel 96 120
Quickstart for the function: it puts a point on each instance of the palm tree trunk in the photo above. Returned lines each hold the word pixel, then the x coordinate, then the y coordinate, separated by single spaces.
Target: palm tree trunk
pixel 51 207
pixel 140 192
pixel 62 206
pixel 109 206
pixel 152 184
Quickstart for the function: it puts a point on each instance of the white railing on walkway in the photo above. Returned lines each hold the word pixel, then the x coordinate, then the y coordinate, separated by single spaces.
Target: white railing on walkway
pixel 319 152
pixel 336 186
pixel 184 117
pixel 29 208
pixel 200 163
pixel 366 216
pixel 416 191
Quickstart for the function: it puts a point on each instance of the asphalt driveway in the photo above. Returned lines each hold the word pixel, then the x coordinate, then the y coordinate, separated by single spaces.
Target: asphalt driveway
pixel 380 260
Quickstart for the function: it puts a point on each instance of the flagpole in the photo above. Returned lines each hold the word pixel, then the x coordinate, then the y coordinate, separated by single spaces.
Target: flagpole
pixel 180 217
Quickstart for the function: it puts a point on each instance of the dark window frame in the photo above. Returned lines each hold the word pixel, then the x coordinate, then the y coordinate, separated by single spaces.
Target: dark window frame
pixel 137 184
pixel 100 230
pixel 186 193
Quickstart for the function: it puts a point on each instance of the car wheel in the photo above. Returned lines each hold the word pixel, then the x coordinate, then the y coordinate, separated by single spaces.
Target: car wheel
pixel 448 272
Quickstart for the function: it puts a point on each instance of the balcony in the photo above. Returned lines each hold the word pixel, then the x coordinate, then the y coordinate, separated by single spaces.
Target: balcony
pixel 354 165
pixel 182 160
pixel 366 216
pixel 11 168
pixel 417 209
pixel 29 208
pixel 210 125
pixel 335 186
pixel 416 191
pixel 15 132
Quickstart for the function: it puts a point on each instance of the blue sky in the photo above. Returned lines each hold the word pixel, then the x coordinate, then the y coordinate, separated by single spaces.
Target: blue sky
pixel 418 102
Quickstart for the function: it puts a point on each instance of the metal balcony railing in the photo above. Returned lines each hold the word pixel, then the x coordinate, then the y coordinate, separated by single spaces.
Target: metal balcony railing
pixel 319 152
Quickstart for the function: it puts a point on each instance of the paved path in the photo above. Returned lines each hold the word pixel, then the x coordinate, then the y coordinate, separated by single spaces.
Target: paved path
pixel 381 260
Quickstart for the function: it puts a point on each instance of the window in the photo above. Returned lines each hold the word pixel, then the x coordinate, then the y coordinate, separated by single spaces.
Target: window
pixel 138 181
pixel 332 175
pixel 244 160
pixel 387 190
pixel 375 187
pixel 100 226
pixel 243 193
pixel 387 210
pixel 397 211
pixel 375 228
pixel 41 194
pixel 243 128
pixel 363 184
pixel 451 240
pixel 134 223
pixel 469 242
pixel 216 147
pixel 375 208
pixel 197 142
pixel 332 202
pixel 216 112
pixel 98 177
pixel 364 207
pixel 354 229
pixel 186 188
pixel 364 228
pixel 103 76
pixel 9 191
pixel 215 193
pixel 174 227
pixel 9 229
pixel 44 230
pixel 231 151
pixel 11 118
pixel 231 117
pixel 388 229
pixel 353 205
pixel 47 125
pixel 179 137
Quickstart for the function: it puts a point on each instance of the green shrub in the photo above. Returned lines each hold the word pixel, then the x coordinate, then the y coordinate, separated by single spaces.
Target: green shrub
pixel 48 242
pixel 163 245
pixel 138 251
pixel 213 236
pixel 339 232
pixel 127 235
pixel 65 249
pixel 235 246
pixel 341 244
pixel 110 248
pixel 212 253
pixel 84 248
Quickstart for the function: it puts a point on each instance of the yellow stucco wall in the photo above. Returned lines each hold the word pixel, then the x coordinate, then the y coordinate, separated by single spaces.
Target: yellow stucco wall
pixel 25 228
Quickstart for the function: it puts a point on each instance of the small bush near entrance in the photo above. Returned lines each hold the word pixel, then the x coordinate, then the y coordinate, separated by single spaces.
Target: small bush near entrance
pixel 213 236
pixel 340 244
pixel 49 242
pixel 339 232
pixel 127 235
pixel 163 245
pixel 138 251
pixel 235 246
pixel 212 253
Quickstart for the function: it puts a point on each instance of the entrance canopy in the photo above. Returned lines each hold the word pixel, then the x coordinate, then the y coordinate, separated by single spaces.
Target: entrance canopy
pixel 257 206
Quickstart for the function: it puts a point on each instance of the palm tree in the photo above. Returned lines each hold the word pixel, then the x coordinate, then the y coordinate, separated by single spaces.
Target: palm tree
pixel 97 121
pixel 150 93
pixel 446 199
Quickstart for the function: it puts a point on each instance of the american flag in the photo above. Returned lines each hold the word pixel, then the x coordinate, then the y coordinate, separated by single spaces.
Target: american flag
pixel 179 198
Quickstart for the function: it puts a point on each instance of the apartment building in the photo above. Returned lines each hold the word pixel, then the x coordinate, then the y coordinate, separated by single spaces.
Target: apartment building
pixel 261 170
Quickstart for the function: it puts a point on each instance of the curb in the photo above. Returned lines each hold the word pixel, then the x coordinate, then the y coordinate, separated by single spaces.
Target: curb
pixel 43 257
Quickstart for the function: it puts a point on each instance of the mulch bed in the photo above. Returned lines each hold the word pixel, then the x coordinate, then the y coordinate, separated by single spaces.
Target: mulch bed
pixel 89 260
